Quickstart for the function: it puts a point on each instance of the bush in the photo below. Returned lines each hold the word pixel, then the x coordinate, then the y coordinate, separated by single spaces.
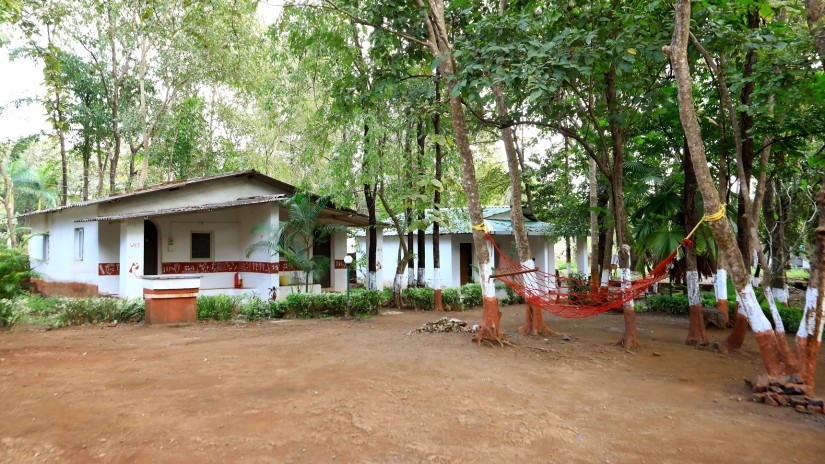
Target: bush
pixel 419 298
pixel 387 297
pixel 514 297
pixel 672 304
pixel 254 308
pixel 277 309
pixel 451 299
pixel 76 311
pixel 366 302
pixel 218 307
pixel 471 295
pixel 8 314
pixel 15 271
pixel 791 317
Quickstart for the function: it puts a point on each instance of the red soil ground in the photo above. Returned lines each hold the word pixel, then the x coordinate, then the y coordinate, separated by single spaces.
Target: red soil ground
pixel 376 391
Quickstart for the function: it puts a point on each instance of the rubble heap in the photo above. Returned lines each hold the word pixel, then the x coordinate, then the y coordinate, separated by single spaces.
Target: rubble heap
pixel 444 325
pixel 786 391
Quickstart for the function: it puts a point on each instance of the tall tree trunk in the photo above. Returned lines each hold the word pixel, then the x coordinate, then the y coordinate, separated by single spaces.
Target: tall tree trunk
pixel 8 204
pixel 533 318
pixel 439 305
pixel 630 339
pixel 114 105
pixel 421 137
pixel 721 229
pixel 86 151
pixel 696 331
pixel 441 48
pixel 776 219
pixel 814 318
pixel 594 226
pixel 814 13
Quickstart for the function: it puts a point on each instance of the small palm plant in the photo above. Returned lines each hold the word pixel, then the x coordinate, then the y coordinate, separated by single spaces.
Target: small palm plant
pixel 295 238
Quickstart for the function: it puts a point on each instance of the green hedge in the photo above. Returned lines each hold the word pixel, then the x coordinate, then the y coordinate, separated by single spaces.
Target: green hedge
pixel 217 307
pixel 471 295
pixel 311 305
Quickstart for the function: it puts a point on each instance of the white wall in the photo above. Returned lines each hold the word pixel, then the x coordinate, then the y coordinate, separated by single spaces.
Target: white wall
pixel 60 265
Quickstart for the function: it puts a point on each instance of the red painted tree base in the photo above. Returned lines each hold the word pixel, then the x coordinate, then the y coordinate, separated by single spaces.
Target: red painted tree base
pixel 736 337
pixel 697 335
pixel 534 322
pixel 438 305
pixel 490 329
pixel 630 339
pixel 722 305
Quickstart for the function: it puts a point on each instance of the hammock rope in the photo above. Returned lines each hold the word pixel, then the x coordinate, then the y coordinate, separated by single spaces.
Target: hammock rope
pixel 574 298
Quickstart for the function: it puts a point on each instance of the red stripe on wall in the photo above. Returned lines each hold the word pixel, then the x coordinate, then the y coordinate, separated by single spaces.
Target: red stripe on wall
pixel 113 269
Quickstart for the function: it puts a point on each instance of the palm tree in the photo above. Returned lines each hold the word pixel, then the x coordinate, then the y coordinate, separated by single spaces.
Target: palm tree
pixel 295 238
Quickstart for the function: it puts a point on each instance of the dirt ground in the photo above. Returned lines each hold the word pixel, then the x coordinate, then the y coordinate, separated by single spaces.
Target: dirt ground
pixel 375 391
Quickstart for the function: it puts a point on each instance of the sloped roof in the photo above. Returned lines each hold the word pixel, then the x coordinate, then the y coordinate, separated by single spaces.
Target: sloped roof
pixel 345 215
pixel 497 218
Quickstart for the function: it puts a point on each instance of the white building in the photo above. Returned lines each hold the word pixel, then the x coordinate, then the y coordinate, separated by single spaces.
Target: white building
pixel 199 226
pixel 458 262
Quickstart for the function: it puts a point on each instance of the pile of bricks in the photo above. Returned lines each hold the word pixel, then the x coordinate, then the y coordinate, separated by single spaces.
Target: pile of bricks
pixel 787 391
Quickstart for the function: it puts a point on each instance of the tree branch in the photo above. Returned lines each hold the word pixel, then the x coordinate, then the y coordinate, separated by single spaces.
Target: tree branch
pixel 386 29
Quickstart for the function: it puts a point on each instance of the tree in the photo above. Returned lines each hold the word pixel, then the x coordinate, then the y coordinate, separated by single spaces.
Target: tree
pixel 677 50
pixel 295 238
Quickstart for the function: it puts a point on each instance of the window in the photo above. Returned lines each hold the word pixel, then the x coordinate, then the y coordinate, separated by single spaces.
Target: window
pixel 39 247
pixel 202 245
pixel 78 244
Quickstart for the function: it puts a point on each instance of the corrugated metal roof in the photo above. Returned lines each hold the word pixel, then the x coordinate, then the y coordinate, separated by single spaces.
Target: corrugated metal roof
pixel 186 209
pixel 459 223
pixel 173 185
pixel 342 216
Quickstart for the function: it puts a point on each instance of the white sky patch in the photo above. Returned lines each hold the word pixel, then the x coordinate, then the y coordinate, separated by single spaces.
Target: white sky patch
pixel 21 79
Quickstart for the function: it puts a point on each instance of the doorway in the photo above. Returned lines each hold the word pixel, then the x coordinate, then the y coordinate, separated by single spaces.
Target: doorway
pixel 465 260
pixel 324 249
pixel 150 248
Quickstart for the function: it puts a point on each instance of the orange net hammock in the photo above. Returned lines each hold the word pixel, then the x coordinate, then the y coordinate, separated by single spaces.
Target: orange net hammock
pixel 573 298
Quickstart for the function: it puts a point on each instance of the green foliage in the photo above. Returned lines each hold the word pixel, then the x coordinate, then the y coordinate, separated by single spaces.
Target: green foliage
pixel 254 308
pixel 315 305
pixel 277 309
pixel 671 304
pixel 8 315
pixel 76 311
pixel 451 299
pixel 15 271
pixel 218 307
pixel 419 298
pixel 791 317
pixel 471 295
pixel 387 296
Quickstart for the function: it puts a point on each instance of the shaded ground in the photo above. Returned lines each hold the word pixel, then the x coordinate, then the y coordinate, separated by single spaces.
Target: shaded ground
pixel 375 391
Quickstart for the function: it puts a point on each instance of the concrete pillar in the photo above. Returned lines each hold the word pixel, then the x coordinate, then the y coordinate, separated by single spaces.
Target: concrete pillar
pixel 582 263
pixel 337 251
pixel 274 273
pixel 131 259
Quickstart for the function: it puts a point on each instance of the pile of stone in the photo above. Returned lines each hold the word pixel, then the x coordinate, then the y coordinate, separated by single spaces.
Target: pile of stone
pixel 787 391
pixel 445 325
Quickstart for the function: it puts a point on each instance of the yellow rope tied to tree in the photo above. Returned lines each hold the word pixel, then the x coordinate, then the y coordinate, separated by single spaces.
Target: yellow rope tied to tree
pixel 709 218
pixel 482 227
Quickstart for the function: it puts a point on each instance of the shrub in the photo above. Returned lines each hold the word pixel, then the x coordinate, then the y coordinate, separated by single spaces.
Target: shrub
pixel 791 317
pixel 451 299
pixel 514 297
pixel 672 304
pixel 218 307
pixel 277 309
pixel 15 271
pixel 471 295
pixel 419 298
pixel 8 315
pixel 365 302
pixel 387 297
pixel 254 308
pixel 76 311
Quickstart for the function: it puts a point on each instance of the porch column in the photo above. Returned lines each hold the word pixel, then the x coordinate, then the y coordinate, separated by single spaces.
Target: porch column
pixel 337 251
pixel 274 257
pixel 582 263
pixel 130 284
pixel 379 258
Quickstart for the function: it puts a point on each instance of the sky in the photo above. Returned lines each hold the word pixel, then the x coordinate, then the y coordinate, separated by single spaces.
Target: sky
pixel 22 89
